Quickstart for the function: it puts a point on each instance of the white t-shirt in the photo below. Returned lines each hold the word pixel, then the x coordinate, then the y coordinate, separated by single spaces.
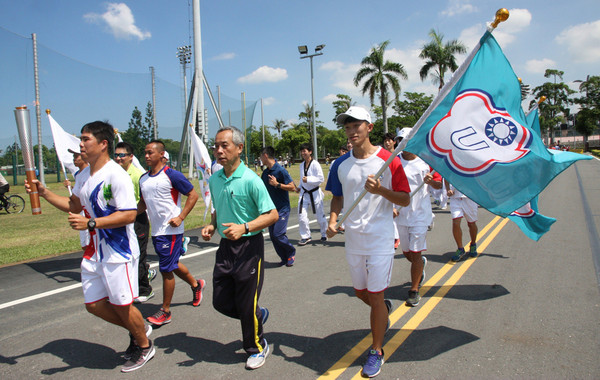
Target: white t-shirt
pixel 418 212
pixel 162 194
pixel 101 194
pixel 369 227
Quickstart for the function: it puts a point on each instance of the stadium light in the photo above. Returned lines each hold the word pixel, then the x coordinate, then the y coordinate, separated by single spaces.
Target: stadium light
pixel 304 54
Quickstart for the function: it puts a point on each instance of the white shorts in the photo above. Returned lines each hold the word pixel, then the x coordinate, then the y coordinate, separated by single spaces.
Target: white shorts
pixel 412 239
pixel 370 272
pixel 116 281
pixel 463 207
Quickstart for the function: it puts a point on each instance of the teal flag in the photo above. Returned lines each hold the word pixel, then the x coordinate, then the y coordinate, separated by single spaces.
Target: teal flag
pixel 481 141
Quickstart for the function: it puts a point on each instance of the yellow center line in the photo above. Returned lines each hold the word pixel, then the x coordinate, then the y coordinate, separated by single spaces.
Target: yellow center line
pixel 351 356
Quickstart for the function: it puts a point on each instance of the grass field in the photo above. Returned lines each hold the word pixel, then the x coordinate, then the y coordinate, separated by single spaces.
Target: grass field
pixel 25 237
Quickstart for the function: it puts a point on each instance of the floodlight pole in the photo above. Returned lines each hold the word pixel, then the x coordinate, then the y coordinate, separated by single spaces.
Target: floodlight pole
pixel 304 54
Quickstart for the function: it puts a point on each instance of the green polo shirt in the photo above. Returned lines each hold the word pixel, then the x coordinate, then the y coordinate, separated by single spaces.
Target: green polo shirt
pixel 240 198
pixel 135 174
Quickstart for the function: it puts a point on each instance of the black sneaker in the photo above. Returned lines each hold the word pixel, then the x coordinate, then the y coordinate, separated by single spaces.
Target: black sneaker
pixel 133 344
pixel 304 241
pixel 413 298
pixel 388 304
pixel 139 357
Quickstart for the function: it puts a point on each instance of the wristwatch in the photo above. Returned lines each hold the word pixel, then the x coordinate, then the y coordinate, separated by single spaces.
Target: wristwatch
pixel 279 185
pixel 247 227
pixel 91 224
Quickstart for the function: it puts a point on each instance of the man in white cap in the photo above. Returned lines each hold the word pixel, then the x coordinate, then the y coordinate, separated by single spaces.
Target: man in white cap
pixel 369 227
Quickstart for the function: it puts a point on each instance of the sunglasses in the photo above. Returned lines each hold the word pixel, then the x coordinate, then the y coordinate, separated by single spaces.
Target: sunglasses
pixel 121 155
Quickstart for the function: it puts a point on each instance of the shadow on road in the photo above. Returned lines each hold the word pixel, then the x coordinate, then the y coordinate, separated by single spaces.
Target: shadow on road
pixel 75 353
pixel 61 269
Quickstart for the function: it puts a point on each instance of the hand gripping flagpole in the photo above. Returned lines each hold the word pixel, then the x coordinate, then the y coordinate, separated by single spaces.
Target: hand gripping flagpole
pixel 24 128
pixel 501 15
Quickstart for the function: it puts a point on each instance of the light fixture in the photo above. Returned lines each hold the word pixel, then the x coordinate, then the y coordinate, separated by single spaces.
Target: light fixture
pixel 303 49
pixel 319 47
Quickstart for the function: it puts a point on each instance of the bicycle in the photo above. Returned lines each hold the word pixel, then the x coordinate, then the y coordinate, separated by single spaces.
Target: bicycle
pixel 13 204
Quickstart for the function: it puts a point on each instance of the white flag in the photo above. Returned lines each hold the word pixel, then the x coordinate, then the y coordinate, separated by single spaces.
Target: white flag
pixel 62 143
pixel 202 159
pixel 135 161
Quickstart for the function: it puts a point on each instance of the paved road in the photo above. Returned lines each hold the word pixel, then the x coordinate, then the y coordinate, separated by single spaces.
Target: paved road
pixel 520 310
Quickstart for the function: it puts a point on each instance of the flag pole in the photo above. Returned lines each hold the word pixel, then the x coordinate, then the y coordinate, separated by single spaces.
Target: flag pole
pixel 61 163
pixel 501 15
pixel 536 105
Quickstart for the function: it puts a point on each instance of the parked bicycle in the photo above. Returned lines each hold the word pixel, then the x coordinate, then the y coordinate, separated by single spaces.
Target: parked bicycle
pixel 13 204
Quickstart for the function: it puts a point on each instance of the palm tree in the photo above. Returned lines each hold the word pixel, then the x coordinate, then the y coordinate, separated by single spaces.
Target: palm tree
pixel 379 76
pixel 439 57
pixel 342 104
pixel 279 124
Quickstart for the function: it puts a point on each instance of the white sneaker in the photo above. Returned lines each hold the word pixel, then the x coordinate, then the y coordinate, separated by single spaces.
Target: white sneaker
pixel 257 360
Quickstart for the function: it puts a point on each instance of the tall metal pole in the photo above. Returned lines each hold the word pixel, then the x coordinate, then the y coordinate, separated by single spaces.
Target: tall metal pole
pixel 262 121
pixel 153 104
pixel 246 142
pixel 198 63
pixel 38 112
pixel 312 95
pixel 303 50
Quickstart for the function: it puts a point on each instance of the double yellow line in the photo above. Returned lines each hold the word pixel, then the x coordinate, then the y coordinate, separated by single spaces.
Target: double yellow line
pixel 422 312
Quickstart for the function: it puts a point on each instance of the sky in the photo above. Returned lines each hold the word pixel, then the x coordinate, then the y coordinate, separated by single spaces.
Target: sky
pixel 251 46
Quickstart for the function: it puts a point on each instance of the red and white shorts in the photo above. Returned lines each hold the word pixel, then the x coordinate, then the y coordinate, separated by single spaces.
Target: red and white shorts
pixel 116 281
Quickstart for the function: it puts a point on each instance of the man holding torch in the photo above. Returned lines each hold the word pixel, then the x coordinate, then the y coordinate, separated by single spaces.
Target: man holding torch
pixel 109 266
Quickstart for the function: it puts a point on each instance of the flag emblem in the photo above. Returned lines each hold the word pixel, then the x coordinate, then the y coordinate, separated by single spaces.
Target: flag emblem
pixel 475 135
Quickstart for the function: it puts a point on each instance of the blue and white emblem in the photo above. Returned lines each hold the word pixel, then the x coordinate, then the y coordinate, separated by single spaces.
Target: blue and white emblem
pixel 475 135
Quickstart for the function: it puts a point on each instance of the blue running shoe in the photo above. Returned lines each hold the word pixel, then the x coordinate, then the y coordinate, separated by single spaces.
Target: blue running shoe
pixel 473 250
pixel 460 253
pixel 265 314
pixel 372 366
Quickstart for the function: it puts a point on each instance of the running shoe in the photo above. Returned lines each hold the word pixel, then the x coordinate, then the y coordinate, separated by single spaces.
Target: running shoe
pixel 388 304
pixel 198 292
pixel 460 253
pixel 133 344
pixel 473 250
pixel 304 241
pixel 290 261
pixel 139 357
pixel 161 317
pixel 323 238
pixel 257 360
pixel 373 364
pixel 423 274
pixel 186 241
pixel 413 298
pixel 152 274
pixel 141 299
pixel 264 314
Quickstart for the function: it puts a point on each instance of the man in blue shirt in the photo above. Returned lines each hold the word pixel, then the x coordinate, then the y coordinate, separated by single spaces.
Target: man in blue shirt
pixel 278 182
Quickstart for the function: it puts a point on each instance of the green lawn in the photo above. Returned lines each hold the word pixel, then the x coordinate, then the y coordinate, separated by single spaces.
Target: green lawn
pixel 25 236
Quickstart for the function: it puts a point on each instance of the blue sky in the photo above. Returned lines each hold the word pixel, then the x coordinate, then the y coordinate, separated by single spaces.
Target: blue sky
pixel 251 46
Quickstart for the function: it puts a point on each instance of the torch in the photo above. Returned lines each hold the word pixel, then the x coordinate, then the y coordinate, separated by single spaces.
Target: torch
pixel 24 128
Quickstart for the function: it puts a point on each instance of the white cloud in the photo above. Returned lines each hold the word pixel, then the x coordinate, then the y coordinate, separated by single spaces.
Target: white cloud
pixel 268 101
pixel 582 41
pixel 518 20
pixel 264 74
pixel 539 66
pixel 120 21
pixel 456 7
pixel 470 36
pixel 329 98
pixel 223 57
pixel 342 75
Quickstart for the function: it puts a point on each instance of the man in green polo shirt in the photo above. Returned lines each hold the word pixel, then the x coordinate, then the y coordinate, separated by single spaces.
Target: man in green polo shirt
pixel 243 208
pixel 124 157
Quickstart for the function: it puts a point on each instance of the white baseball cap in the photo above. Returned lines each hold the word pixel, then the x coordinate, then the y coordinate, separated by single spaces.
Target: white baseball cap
pixel 403 133
pixel 358 113
pixel 166 155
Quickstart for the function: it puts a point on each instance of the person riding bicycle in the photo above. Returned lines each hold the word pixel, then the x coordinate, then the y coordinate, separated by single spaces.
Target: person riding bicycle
pixel 4 186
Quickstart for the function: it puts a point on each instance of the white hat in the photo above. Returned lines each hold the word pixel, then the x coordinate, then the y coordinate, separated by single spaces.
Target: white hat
pixel 403 133
pixel 166 155
pixel 358 113
pixel 73 151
